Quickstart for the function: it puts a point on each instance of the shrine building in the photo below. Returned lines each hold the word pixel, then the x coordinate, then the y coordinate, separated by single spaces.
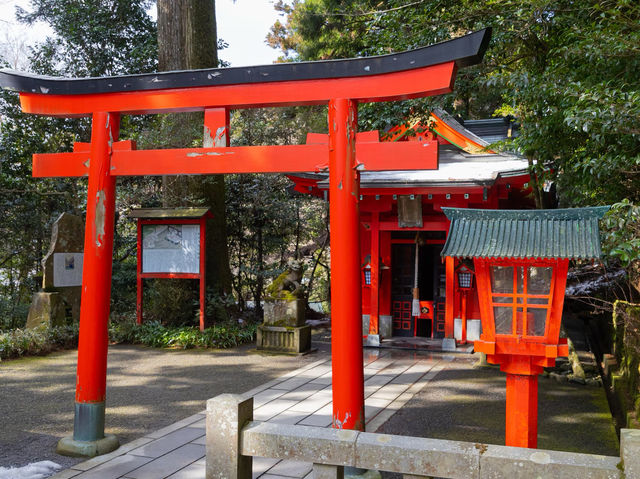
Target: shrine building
pixel 401 211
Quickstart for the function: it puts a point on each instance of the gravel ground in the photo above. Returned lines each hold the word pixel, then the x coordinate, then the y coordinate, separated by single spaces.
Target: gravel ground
pixel 464 403
pixel 152 388
pixel 147 389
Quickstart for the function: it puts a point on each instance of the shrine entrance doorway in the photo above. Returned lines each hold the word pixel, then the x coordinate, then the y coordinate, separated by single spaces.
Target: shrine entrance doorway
pixel 430 281
pixel 402 283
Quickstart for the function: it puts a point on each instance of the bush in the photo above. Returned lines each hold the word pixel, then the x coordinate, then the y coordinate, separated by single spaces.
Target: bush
pixel 43 340
pixel 153 333
pixel 36 342
pixel 171 301
pixel 12 315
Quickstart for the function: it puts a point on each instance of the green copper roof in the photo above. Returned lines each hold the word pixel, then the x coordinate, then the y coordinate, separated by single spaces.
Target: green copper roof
pixel 563 233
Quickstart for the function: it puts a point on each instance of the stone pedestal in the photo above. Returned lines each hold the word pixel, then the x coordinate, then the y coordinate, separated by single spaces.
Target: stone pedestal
pixel 282 312
pixel 46 308
pixel 284 339
pixel 284 328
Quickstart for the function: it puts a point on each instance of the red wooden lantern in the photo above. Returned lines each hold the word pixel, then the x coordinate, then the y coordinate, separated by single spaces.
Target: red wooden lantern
pixel 366 272
pixel 464 283
pixel 521 260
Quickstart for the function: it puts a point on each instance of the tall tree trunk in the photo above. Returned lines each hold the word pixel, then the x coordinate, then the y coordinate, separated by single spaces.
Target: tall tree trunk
pixel 260 276
pixel 187 40
pixel 537 188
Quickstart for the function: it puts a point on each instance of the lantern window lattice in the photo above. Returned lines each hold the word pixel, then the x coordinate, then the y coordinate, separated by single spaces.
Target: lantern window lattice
pixel 520 299
pixel 465 279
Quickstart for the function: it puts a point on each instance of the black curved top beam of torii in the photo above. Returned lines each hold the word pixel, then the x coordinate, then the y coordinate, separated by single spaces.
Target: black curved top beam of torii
pixel 464 51
pixel 412 74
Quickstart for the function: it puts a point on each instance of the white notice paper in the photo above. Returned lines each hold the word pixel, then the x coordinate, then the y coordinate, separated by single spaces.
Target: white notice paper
pixel 171 249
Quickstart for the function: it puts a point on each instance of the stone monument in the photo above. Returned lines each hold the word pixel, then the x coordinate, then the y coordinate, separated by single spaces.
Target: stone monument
pixel 62 275
pixel 284 328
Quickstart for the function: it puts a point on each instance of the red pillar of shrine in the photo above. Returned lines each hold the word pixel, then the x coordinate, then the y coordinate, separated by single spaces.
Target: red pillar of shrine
pixel 88 431
pixel 346 296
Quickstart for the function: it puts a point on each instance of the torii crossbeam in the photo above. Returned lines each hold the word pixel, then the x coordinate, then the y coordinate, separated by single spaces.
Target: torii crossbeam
pixel 341 84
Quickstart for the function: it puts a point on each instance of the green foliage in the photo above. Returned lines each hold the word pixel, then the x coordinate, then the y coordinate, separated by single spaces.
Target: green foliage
pixel 34 342
pixel 155 334
pixel 621 233
pixel 93 37
pixel 171 301
pixel 626 321
pixel 43 340
pixel 268 222
pixel 90 38
pixel 566 71
pixel 12 315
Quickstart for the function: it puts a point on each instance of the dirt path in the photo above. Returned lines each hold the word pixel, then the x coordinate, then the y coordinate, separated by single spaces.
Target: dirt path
pixel 147 389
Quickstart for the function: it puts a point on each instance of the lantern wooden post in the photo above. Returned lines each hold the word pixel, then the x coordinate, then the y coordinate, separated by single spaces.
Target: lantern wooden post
pixel 522 410
pixel 346 303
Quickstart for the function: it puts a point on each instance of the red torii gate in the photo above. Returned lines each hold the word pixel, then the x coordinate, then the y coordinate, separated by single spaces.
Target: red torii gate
pixel 342 84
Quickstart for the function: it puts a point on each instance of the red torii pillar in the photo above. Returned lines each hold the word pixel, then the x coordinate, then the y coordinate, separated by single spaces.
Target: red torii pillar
pixel 91 378
pixel 341 84
pixel 346 290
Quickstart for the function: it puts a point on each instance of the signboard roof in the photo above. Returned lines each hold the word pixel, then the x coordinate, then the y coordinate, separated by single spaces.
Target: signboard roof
pixel 168 213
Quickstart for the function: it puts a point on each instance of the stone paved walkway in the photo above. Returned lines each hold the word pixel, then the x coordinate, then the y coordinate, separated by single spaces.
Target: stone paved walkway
pixel 302 397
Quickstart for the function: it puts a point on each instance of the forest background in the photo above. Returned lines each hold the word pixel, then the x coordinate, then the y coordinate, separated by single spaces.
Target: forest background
pixel 565 70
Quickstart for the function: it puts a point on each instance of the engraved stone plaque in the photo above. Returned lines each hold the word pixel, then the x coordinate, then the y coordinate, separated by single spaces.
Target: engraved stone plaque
pixel 67 269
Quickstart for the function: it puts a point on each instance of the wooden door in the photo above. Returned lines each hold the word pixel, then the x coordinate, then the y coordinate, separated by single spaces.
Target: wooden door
pixel 402 270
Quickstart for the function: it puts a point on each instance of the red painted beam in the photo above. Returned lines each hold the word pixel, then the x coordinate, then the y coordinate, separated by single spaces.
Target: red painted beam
pixel 431 223
pixel 421 82
pixel 386 156
pixel 239 159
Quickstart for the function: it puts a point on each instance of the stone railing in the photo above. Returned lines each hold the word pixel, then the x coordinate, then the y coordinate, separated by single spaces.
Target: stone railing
pixel 233 438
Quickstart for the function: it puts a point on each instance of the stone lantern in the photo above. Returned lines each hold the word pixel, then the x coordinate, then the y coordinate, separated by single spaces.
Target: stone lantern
pixel 521 258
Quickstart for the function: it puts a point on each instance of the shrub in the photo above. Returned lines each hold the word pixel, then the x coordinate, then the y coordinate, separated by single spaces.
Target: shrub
pixel 12 315
pixel 43 340
pixel 155 334
pixel 39 341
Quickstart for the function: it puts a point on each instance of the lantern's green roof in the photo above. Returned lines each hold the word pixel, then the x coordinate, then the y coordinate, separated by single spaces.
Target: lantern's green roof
pixel 562 233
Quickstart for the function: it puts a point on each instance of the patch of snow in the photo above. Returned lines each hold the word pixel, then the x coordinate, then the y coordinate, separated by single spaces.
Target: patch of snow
pixel 593 285
pixel 36 470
